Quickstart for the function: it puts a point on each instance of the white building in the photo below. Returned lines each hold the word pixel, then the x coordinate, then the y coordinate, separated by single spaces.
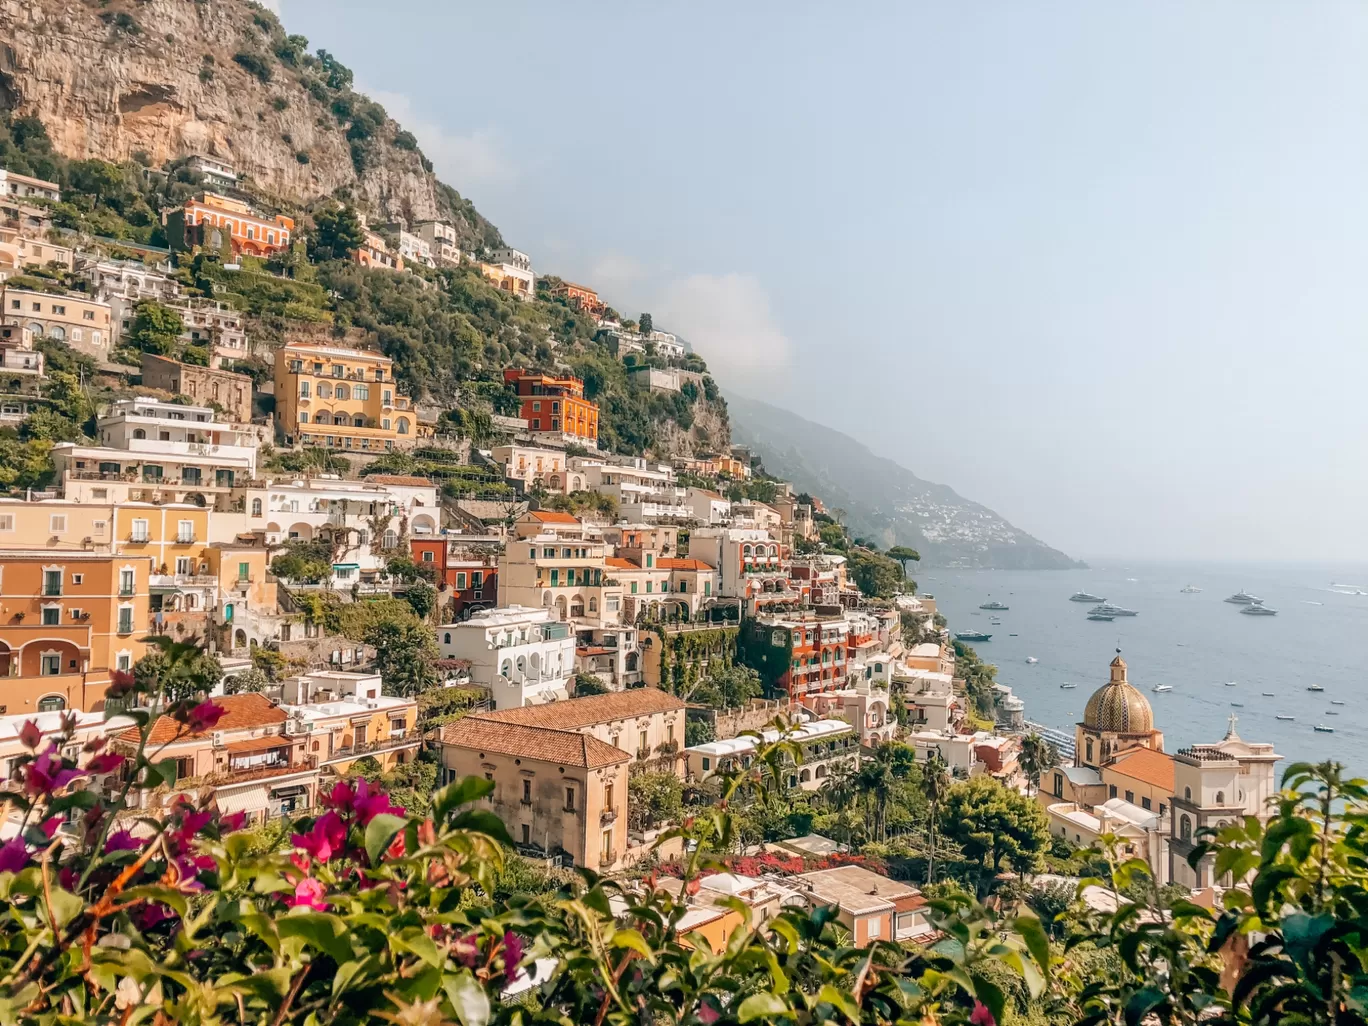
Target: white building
pixel 824 744
pixel 930 699
pixel 441 240
pixel 524 656
pixel 339 710
pixel 533 464
pixel 748 561
pixel 218 174
pixel 217 325
pixel 654 379
pixel 666 345
pixel 958 750
pixel 12 183
pixel 708 507
pixel 415 249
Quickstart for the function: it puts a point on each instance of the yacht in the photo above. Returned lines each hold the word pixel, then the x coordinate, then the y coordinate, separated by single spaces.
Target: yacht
pixel 1335 701
pixel 1314 687
pixel 1243 598
pixel 1321 728
pixel 1191 589
pixel 1032 659
pixel 1238 705
pixel 1083 596
pixel 1266 694
pixel 1331 712
pixel 1101 616
pixel 1107 609
pixel 1257 609
pixel 1281 716
pixel 971 636
pixel 994 605
pixel 1162 687
pixel 1068 687
pixel 1230 683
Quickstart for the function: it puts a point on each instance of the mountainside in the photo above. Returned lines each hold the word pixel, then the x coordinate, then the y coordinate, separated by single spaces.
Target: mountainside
pixel 884 502
pixel 158 80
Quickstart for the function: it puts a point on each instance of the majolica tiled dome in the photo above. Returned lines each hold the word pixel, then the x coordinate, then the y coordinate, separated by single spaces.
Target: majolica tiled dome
pixel 1118 708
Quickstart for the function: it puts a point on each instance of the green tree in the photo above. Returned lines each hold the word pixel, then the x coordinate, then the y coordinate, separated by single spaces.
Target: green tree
pixel 587 684
pixel 178 671
pixel 1038 757
pixel 653 800
pixel 993 823
pixel 904 555
pixel 156 329
pixel 727 687
pixel 250 680
pixel 877 575
pixel 698 732
pixel 878 777
pixel 422 597
pixel 405 654
pixel 935 782
pixel 303 563
pixel 338 233
pixel 646 323
pixel 24 464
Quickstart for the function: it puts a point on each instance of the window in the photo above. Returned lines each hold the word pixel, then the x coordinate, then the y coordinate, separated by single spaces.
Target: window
pixel 185 532
pixel 1220 797
pixel 126 582
pixel 256 507
pixel 385 423
pixel 1187 794
pixel 339 371
pixel 88 315
pixel 1090 752
pixel 387 397
pixel 1144 803
pixel 1185 828
pixel 477 578
pixel 244 571
pixel 125 661
pixel 6 521
pixel 875 927
pixel 643 745
pixel 461 581
pixel 324 390
pixel 526 834
pixel 78 578
pixel 139 531
pixel 52 582
pixel 304 390
pixel 303 416
pixel 569 799
pixel 360 391
pixel 1130 797
pixel 52 616
pixel 707 764
pixel 50 664
pixel 606 852
pixel 57 523
pixel 185 565
pixel 125 619
pixel 1112 791
pixel 1059 785
pixel 527 792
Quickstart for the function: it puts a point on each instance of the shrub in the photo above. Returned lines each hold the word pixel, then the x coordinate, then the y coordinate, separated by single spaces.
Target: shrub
pixel 255 65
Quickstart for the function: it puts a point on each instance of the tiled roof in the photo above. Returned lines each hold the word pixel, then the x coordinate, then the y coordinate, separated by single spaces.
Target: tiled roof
pixel 575 713
pixel 566 747
pixel 858 890
pixel 619 563
pixel 243 712
pixel 1147 766
pixel 551 516
pixel 683 564
pixel 399 479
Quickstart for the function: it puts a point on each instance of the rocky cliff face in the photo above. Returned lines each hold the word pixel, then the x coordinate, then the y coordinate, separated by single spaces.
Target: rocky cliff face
pixel 171 78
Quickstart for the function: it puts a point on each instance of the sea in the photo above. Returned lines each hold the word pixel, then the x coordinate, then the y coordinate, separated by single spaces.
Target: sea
pixel 1218 661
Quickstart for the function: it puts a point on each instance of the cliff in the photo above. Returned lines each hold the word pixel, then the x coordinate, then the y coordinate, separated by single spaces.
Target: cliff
pixel 164 79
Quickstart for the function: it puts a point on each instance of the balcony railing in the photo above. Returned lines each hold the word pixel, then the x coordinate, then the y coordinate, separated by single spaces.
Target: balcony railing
pixel 384 744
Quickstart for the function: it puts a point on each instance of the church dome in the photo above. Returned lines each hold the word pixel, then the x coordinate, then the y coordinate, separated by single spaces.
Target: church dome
pixel 1117 707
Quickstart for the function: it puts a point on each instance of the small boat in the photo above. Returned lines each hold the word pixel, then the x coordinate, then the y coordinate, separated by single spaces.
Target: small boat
pixel 994 605
pixel 1266 694
pixel 1282 717
pixel 1238 705
pixel 1331 712
pixel 1133 580
pixel 1314 687
pixel 1258 609
pixel 1311 602
pixel 1101 616
pixel 1230 684
pixel 971 636
pixel 1335 701
pixel 1162 687
pixel 1032 659
pixel 1191 589
pixel 1014 635
pixel 1243 598
pixel 1321 728
pixel 1068 687
pixel 1083 596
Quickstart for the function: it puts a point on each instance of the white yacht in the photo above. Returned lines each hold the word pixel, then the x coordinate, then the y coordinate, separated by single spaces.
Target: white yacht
pixel 1258 609
pixel 1243 598
pixel 1191 589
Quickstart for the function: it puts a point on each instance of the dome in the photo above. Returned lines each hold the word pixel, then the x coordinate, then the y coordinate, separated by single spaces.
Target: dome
pixel 1117 707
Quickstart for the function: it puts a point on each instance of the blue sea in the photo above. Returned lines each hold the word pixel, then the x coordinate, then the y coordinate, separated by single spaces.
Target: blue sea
pixel 1196 643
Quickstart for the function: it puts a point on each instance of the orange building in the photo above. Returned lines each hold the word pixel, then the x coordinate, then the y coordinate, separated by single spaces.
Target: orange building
pixel 581 297
pixel 555 405
pixel 67 619
pixel 248 231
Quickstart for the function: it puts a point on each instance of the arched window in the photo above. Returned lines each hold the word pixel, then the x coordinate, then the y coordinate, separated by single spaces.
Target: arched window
pixel 593 605
pixel 322 417
pixel 57 332
pixel 522 664
pixel 403 425
pixel 1185 828
pixel 1220 797
pixel 358 421
pixel 324 390
pixel 1090 750
pixel 256 507
pixel 51 703
pixel 446 638
pixel 1187 794
pixel 745 552
pixel 360 391
pixel 506 669
pixel 139 433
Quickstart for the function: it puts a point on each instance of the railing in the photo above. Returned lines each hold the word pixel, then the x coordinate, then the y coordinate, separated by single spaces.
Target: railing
pixel 409 737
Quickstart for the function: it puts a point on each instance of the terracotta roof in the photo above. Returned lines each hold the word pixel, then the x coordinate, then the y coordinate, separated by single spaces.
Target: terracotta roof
pixel 551 516
pixel 566 747
pixel 683 564
pixel 243 712
pixel 1147 766
pixel 710 495
pixel 260 744
pixel 575 713
pixel 622 564
pixel 399 479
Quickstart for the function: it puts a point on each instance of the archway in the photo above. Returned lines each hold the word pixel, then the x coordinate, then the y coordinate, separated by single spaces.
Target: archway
pixel 239 638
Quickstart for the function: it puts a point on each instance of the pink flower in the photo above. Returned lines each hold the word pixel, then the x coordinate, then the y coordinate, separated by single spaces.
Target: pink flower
pixel 707 1014
pixel 46 773
pixel 13 855
pixel 513 953
pixel 368 804
pixel 466 950
pixel 105 763
pixel 981 1015
pixel 340 797
pixel 326 838
pixel 203 716
pixel 121 840
pixel 311 893
pixel 49 826
pixel 235 821
pixel 30 734
pixel 153 913
pixel 193 823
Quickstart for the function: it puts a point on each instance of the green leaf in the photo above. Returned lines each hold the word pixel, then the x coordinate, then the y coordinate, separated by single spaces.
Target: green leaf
pixel 635 941
pixel 166 769
pixel 990 994
pixel 346 972
pixel 841 1000
pixel 482 821
pixel 380 832
pixel 168 896
pixel 1143 1002
pixel 461 792
pixel 1037 943
pixel 271 985
pixel 324 932
pixel 65 906
pixel 468 999
pixel 1301 934
pixel 419 943
pixel 761 1005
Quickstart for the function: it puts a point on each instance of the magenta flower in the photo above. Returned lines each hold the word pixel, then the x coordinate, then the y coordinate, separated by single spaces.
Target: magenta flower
pixel 236 821
pixel 49 826
pixel 203 716
pixel 193 823
pixel 340 797
pixel 121 840
pixel 513 953
pixel 13 855
pixel 153 913
pixel 981 1015
pixel 368 804
pixel 46 773
pixel 310 892
pixel 327 837
pixel 707 1014
pixel 106 762
pixel 30 734
pixel 466 950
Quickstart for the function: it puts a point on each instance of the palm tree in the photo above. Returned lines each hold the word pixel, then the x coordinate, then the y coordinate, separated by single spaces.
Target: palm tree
pixel 935 785
pixel 878 776
pixel 1038 757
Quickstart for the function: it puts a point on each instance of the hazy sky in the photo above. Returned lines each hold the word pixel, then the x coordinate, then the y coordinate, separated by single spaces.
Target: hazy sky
pixel 1100 266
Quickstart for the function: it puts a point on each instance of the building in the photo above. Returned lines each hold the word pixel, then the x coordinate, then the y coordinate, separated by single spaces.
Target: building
pixel 666 345
pixel 82 323
pixel 930 699
pixel 246 230
pixel 344 717
pixel 645 723
pixel 466 569
pixel 533 465
pixel 232 392
pixel 521 655
pixel 750 565
pixel 340 398
pixel 864 706
pixel 806 654
pixel 247 613
pixel 654 379
pixel 68 619
pixel 19 250
pixel 825 744
pixel 612 654
pixel 441 240
pixel 555 406
pixel 216 172
pixel 581 297
pixel 216 326
pixel 157 451
pixel 511 271
pixel 561 793
pixel 18 357
pixel 415 249
pixel 374 251
pixel 129 281
pixel 869 905
pixel 13 184
pixel 708 507
pixel 569 576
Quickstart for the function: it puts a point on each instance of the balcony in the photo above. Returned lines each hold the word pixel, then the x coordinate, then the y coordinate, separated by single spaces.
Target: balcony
pixel 407 739
pixel 608 816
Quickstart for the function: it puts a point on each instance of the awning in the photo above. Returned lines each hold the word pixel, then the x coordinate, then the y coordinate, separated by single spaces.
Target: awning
pixel 259 744
pixel 248 801
pixel 289 792
pixel 346 566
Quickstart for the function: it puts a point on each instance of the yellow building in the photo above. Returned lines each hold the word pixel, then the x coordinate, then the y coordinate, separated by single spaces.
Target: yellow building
pixel 341 399
pixel 82 323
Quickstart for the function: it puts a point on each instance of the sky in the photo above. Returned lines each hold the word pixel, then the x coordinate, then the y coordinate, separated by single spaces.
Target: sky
pixel 1100 267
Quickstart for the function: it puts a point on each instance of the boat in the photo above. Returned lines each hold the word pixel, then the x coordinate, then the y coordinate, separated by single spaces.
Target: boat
pixel 1311 602
pixel 1314 687
pixel 1243 598
pixel 1238 705
pixel 1331 712
pixel 1032 659
pixel 1267 694
pixel 994 605
pixel 1258 609
pixel 1107 609
pixel 1083 596
pixel 1335 701
pixel 1280 716
pixel 1068 687
pixel 1014 635
pixel 1321 728
pixel 1162 687
pixel 1191 589
pixel 971 636
pixel 1101 616
pixel 1230 684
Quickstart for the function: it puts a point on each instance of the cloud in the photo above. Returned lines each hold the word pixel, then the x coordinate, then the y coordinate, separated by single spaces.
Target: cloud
pixel 461 160
pixel 729 321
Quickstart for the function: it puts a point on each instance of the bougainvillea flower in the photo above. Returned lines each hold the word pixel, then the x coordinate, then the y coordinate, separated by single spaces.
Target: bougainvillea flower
pixel 513 953
pixel 326 838
pixel 106 762
pixel 369 803
pixel 46 773
pixel 235 821
pixel 30 734
pixel 121 840
pixel 14 855
pixel 311 893
pixel 203 716
pixel 466 950
pixel 981 1016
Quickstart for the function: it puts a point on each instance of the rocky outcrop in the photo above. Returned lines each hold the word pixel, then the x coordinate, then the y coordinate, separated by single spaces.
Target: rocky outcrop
pixel 164 79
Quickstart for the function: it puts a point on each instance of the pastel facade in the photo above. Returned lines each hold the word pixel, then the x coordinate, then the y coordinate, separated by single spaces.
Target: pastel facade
pixel 442 242
pixel 343 717
pixel 82 323
pixel 248 231
pixel 581 297
pixel 869 905
pixel 555 406
pixel 568 576
pixel 825 744
pixel 523 655
pixel 12 183
pixel 340 398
